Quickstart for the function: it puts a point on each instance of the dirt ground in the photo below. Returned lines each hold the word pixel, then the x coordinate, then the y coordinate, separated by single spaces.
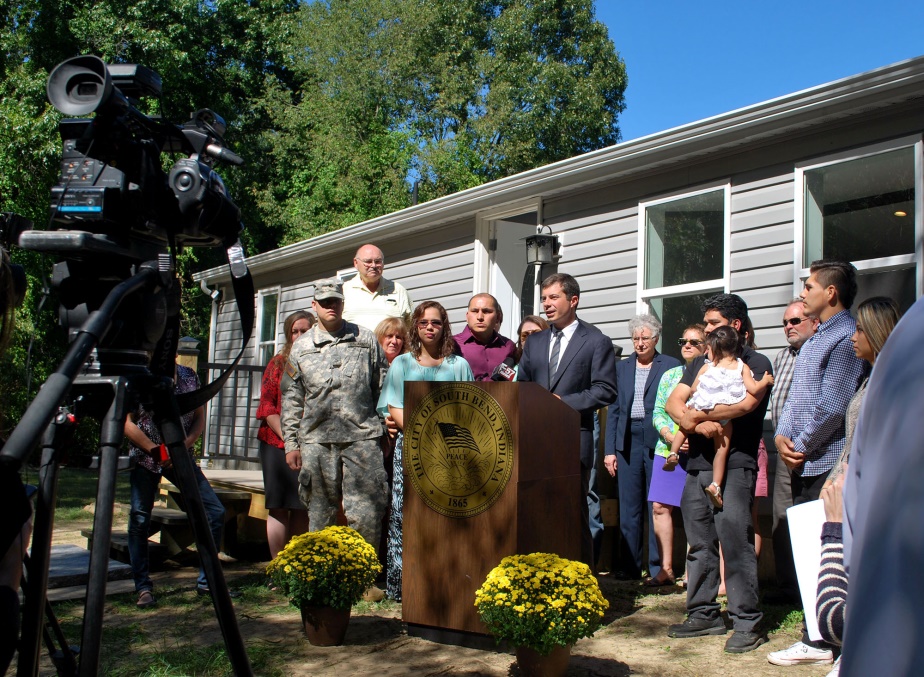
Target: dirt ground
pixel 633 641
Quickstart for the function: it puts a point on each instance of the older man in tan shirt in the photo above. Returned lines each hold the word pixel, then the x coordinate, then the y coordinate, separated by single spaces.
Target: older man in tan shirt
pixel 370 297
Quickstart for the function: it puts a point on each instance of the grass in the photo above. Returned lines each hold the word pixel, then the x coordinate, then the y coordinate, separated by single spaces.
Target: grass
pixel 782 618
pixel 211 661
pixel 77 489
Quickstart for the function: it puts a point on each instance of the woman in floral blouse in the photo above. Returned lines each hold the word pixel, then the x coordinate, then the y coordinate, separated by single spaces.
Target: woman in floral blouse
pixel 287 516
pixel 667 487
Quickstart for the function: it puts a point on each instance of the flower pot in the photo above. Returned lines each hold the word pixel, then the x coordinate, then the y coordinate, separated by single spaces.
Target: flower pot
pixel 324 625
pixel 534 664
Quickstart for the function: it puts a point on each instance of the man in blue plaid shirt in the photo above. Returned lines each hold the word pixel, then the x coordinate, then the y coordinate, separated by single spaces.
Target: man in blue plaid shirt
pixel 810 433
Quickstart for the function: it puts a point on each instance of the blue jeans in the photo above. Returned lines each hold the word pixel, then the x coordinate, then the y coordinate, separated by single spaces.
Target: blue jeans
pixel 144 485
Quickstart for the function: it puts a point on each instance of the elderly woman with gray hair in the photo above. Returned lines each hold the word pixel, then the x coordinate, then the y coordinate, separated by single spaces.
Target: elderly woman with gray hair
pixel 630 442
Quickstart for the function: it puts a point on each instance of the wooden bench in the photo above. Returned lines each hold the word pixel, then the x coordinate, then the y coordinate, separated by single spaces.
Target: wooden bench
pixel 118 548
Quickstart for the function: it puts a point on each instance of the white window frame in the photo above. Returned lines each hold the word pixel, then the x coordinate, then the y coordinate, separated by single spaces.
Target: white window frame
pixel 904 261
pixel 345 274
pixel 261 296
pixel 484 224
pixel 720 284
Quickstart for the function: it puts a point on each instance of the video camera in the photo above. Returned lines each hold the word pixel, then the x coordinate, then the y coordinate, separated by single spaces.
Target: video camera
pixel 113 192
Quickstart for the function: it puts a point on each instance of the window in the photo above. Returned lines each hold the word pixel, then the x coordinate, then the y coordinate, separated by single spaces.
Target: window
pixel 684 250
pixel 864 207
pixel 267 312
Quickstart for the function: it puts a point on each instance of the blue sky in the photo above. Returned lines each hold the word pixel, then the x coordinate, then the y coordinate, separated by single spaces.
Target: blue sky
pixel 689 60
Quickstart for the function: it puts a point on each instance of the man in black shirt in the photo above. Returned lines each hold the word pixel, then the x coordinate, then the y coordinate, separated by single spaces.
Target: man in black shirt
pixel 731 525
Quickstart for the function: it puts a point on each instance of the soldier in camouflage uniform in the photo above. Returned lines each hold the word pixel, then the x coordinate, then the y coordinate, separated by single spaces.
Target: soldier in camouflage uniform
pixel 329 423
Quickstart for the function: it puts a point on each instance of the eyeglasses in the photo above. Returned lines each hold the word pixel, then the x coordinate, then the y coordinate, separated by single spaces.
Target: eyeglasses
pixel 422 324
pixel 642 339
pixel 372 262
pixel 693 342
pixel 794 321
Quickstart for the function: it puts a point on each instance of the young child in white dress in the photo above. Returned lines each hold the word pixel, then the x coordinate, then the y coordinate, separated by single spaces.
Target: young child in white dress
pixel 722 380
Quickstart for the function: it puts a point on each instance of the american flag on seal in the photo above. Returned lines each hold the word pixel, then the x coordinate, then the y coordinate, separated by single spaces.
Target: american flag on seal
pixel 457 437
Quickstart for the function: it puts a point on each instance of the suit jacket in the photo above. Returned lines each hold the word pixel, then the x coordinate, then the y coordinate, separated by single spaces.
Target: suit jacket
pixel 618 416
pixel 585 379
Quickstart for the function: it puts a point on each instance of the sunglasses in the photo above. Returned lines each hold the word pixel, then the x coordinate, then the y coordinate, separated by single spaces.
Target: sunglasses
pixel 793 321
pixel 422 324
pixel 693 342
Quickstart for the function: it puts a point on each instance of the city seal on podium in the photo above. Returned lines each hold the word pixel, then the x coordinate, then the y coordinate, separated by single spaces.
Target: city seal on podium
pixel 458 449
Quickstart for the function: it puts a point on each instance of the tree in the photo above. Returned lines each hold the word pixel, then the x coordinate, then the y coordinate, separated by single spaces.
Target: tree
pixel 219 55
pixel 447 94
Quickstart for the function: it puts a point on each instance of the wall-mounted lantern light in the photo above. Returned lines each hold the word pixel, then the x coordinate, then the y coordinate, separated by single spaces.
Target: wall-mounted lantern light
pixel 541 247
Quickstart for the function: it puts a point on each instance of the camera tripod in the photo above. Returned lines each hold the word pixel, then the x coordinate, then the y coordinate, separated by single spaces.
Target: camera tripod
pixel 115 383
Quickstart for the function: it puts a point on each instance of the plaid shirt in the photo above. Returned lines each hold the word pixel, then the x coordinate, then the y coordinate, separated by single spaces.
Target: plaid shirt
pixel 826 376
pixel 783 366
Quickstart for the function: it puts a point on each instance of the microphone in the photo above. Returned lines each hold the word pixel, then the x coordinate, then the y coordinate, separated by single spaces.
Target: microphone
pixel 504 371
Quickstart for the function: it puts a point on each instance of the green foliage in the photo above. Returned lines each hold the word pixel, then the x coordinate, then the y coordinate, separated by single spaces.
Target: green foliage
pixel 217 55
pixel 339 108
pixel 443 94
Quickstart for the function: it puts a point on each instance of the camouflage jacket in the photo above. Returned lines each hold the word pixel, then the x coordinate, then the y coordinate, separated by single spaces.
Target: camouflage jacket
pixel 330 387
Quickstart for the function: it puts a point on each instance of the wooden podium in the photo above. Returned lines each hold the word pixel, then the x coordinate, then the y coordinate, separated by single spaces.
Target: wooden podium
pixel 446 558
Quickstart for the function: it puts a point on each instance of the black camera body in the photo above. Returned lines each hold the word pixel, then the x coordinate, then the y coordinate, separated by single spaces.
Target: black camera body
pixel 113 193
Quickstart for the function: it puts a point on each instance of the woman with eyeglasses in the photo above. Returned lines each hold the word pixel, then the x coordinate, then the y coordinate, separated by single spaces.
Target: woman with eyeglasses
pixel 630 443
pixel 287 516
pixel 430 358
pixel 667 486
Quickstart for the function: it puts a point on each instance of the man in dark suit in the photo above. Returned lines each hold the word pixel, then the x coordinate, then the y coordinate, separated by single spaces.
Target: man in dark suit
pixel 575 361
pixel 630 442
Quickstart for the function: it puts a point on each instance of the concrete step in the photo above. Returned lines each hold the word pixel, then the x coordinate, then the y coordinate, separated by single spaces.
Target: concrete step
pixel 70 566
pixel 118 547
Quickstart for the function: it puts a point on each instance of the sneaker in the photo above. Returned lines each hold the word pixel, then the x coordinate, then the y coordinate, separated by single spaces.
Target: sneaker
pixel 697 627
pixel 801 654
pixel 837 668
pixel 742 642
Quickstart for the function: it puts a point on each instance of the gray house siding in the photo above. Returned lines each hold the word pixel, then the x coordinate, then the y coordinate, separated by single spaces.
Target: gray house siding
pixel 596 214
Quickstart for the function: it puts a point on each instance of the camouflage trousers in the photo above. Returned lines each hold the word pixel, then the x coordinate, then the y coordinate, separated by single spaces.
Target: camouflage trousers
pixel 353 472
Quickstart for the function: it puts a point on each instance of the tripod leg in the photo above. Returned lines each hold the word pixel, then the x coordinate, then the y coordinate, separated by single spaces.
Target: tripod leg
pixel 37 566
pixel 167 417
pixel 62 657
pixel 112 430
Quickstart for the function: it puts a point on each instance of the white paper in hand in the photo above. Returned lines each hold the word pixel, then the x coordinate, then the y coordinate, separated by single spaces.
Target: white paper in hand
pixel 805 522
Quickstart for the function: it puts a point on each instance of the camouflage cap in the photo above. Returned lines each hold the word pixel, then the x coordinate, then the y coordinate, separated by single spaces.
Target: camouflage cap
pixel 328 288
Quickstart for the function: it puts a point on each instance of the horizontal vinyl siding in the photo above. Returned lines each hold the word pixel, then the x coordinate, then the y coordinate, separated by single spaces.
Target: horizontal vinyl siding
pixel 762 252
pixel 601 252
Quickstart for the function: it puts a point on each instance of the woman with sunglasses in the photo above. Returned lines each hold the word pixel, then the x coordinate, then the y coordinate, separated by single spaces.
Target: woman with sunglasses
pixel 667 486
pixel 430 358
